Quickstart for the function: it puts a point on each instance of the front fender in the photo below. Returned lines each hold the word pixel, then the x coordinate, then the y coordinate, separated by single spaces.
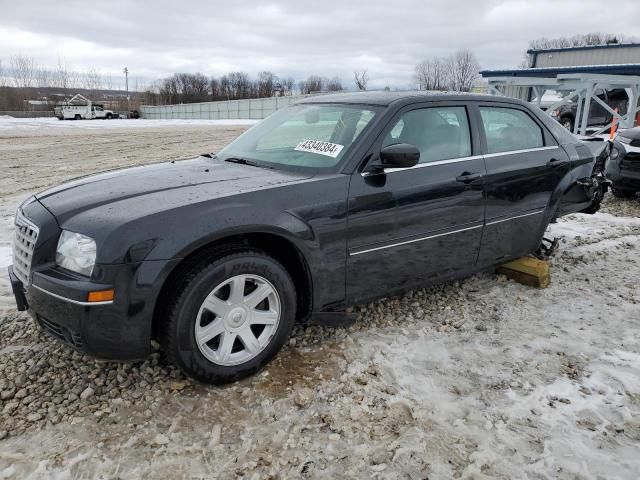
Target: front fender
pixel 200 230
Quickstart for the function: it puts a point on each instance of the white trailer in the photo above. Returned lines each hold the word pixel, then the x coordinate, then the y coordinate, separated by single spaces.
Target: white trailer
pixel 81 108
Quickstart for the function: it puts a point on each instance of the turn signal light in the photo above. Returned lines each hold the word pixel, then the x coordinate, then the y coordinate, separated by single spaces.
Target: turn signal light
pixel 101 296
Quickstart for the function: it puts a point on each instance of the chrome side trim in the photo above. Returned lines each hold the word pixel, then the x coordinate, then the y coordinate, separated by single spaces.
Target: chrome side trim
pixel 462 159
pixel 433 164
pixel 493 222
pixel 414 240
pixel 423 165
pixel 526 150
pixel 76 302
pixel 375 249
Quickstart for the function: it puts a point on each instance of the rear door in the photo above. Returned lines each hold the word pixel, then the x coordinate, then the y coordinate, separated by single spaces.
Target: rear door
pixel 524 167
pixel 410 226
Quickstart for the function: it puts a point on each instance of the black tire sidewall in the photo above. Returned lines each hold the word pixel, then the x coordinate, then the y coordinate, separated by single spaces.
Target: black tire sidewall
pixel 186 352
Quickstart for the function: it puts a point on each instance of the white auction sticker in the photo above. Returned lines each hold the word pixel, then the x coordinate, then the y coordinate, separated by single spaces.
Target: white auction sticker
pixel 322 148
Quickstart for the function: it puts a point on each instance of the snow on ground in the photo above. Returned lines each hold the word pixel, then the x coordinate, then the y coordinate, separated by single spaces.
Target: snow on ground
pixel 10 124
pixel 476 379
pixel 5 256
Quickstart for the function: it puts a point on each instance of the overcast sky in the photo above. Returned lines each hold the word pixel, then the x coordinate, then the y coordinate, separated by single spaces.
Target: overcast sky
pixel 297 38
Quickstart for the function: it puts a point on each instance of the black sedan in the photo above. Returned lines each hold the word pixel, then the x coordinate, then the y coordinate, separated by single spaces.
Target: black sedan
pixel 334 201
pixel 623 168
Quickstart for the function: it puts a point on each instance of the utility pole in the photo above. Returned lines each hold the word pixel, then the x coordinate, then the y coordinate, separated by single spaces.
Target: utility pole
pixel 126 81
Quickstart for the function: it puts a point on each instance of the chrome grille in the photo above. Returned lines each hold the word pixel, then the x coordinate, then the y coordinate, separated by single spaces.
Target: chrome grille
pixel 24 242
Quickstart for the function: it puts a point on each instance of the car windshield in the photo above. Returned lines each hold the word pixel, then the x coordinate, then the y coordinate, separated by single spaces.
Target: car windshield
pixel 306 136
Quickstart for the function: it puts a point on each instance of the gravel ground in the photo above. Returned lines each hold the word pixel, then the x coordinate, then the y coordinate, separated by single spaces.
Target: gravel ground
pixel 481 378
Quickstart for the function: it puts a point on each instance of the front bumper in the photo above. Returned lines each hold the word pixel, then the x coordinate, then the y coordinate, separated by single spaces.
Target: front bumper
pixel 116 330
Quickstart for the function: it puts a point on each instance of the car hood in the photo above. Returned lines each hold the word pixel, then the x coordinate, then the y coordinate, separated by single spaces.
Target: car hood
pixel 159 186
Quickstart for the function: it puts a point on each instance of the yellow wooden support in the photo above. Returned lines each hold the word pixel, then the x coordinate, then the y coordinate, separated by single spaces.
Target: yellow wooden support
pixel 528 271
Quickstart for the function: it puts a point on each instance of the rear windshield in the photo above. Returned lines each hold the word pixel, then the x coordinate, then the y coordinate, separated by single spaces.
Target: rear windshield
pixel 308 136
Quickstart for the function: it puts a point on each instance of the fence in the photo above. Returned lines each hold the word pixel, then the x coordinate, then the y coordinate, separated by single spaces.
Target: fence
pixel 257 109
pixel 26 113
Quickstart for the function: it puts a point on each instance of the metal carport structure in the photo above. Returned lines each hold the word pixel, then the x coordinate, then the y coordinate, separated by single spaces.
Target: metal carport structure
pixel 575 82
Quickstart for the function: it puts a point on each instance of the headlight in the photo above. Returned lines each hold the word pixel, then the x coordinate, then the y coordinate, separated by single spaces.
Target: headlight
pixel 76 252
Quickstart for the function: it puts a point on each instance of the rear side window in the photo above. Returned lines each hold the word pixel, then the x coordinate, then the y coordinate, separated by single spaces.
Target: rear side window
pixel 508 129
pixel 440 133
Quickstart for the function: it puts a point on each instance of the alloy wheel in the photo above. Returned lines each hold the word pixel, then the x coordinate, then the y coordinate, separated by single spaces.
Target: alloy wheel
pixel 237 320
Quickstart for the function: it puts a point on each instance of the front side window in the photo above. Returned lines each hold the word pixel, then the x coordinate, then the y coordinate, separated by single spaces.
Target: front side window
pixel 307 136
pixel 440 133
pixel 509 129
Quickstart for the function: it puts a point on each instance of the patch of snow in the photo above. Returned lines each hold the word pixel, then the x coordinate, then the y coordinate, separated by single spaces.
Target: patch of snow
pixel 548 98
pixel 6 257
pixel 10 124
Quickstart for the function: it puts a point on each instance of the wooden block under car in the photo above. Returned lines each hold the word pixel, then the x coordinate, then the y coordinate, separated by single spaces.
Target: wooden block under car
pixel 528 271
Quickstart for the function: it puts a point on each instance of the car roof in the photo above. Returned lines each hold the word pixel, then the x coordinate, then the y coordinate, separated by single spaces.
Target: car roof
pixel 385 98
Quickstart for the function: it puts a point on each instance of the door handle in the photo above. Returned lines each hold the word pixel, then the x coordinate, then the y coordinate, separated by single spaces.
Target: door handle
pixel 467 177
pixel 554 162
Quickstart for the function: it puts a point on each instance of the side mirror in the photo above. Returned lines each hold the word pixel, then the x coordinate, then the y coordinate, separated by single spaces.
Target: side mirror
pixel 400 155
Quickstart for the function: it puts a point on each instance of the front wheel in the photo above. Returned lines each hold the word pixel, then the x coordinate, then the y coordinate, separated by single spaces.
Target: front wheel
pixel 229 317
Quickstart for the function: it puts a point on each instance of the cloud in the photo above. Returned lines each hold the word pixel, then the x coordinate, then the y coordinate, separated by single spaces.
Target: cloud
pixel 294 38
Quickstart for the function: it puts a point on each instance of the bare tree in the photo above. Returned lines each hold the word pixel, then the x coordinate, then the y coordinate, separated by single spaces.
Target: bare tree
pixel 265 85
pixel 239 84
pixel 334 84
pixel 108 81
pixel 23 68
pixel 432 74
pixel 42 76
pixel 214 88
pixel 92 79
pixel 61 74
pixel 287 86
pixel 361 78
pixel 184 88
pixel 3 80
pixel 313 83
pixel 463 70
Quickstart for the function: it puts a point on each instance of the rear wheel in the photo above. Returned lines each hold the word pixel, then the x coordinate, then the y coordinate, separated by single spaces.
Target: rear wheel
pixel 109 116
pixel 229 317
pixel 621 193
pixel 78 117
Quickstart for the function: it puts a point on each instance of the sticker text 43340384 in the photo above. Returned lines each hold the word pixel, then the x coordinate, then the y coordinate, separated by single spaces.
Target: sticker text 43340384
pixel 322 148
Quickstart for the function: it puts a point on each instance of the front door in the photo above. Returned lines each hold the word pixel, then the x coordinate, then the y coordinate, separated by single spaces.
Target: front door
pixel 524 167
pixel 415 225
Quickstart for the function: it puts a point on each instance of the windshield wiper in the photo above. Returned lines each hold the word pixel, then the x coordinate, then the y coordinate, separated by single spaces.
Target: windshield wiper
pixel 246 161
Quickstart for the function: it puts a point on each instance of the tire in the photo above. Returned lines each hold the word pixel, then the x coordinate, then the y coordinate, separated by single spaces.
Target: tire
pixel 109 116
pixel 622 193
pixel 236 344
pixel 567 122
pixel 77 117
